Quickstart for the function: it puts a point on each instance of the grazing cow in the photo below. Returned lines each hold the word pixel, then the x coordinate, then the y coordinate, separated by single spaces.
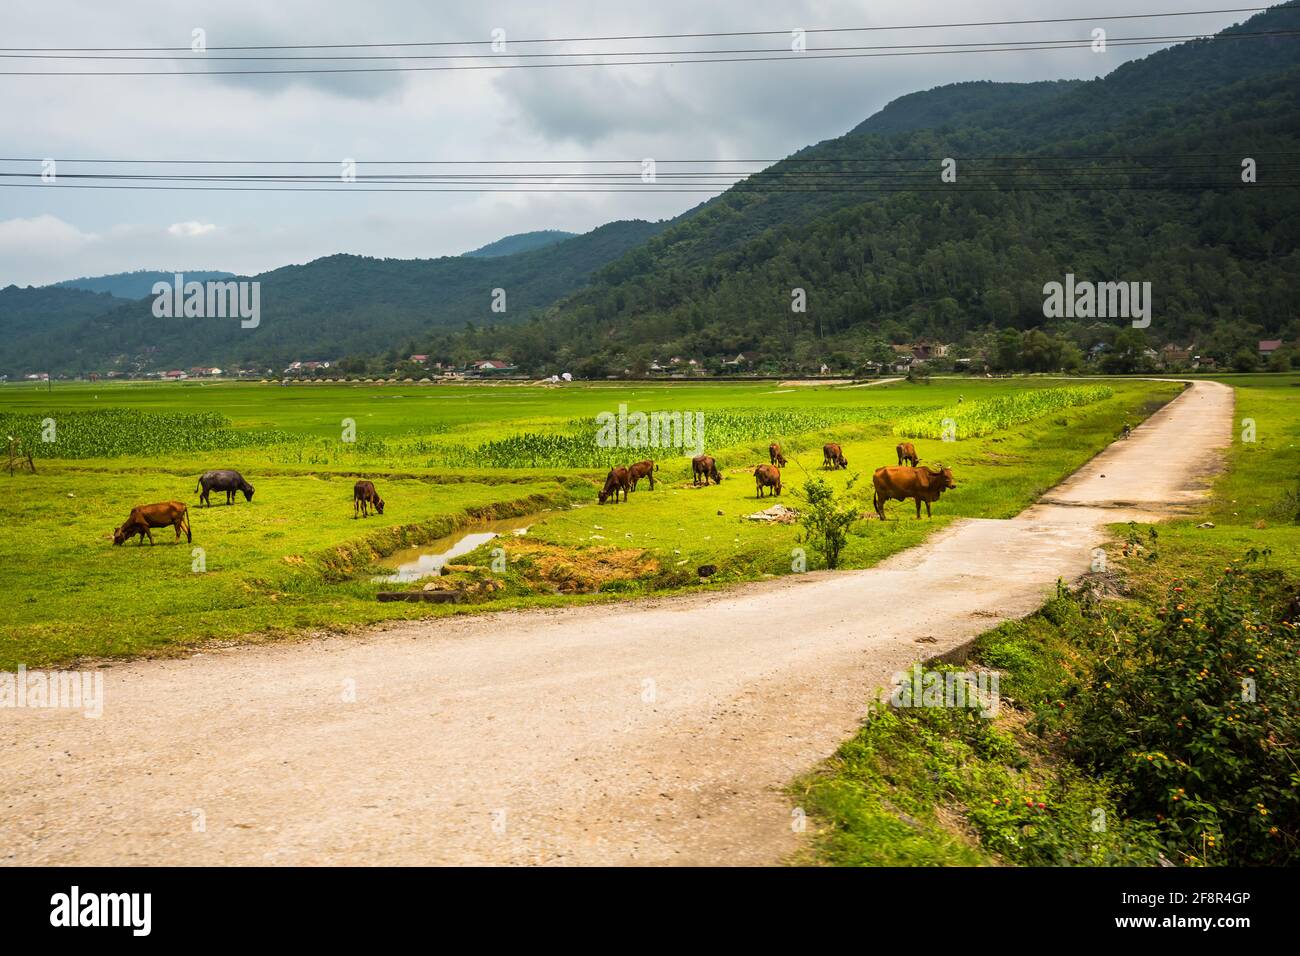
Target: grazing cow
pixel 145 517
pixel 907 453
pixel 832 457
pixel 774 455
pixel 767 476
pixel 364 497
pixel 903 482
pixel 617 480
pixel 642 469
pixel 223 480
pixel 703 466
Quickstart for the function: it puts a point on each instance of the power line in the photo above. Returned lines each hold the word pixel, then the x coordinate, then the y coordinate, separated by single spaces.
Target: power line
pixel 812 55
pixel 1074 41
pixel 655 36
pixel 744 187
pixel 1025 157
pixel 814 177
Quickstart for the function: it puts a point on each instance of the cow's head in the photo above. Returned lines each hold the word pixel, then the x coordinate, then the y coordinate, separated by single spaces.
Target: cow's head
pixel 943 477
pixel 379 504
pixel 714 473
pixel 247 489
pixel 119 536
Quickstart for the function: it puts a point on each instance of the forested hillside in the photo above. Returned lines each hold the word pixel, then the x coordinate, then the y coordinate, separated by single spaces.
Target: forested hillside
pixel 1134 177
pixel 522 242
pixel 324 309
pixel 133 285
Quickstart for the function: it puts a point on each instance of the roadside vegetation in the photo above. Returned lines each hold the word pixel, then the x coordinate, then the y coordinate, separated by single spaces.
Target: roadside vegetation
pixel 1148 716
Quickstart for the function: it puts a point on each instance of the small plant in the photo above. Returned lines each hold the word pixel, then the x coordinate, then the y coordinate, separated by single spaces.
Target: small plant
pixel 825 521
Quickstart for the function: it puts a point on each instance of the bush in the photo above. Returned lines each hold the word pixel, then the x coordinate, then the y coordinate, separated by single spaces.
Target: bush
pixel 826 523
pixel 1194 712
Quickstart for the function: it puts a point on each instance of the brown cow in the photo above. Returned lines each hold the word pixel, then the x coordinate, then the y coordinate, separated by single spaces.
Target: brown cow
pixel 364 497
pixel 832 457
pixel 907 453
pixel 617 480
pixel 704 466
pixel 903 482
pixel 774 454
pixel 642 469
pixel 767 476
pixel 145 517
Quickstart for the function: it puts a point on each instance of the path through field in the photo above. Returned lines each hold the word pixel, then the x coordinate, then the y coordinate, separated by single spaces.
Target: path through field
pixel 656 732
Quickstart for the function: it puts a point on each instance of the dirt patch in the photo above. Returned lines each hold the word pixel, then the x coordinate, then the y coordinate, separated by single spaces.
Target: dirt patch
pixel 577 571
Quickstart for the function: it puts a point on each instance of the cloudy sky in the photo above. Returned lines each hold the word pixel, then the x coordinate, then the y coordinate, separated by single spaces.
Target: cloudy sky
pixel 695 111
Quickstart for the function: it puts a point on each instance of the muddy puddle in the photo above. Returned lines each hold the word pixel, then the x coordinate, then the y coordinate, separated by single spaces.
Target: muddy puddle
pixel 412 564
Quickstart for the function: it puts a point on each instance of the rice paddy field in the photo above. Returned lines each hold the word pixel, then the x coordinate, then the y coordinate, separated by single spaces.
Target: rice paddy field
pixel 448 458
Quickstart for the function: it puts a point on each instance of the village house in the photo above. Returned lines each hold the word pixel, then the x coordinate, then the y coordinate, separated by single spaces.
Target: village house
pixel 305 368
pixel 924 351
pixel 1267 347
pixel 489 367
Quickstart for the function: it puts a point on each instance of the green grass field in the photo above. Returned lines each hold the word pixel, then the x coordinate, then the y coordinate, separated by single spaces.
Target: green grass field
pixel 294 561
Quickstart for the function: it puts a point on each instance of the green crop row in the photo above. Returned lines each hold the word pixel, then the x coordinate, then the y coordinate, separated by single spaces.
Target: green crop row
pixel 110 433
pixel 975 418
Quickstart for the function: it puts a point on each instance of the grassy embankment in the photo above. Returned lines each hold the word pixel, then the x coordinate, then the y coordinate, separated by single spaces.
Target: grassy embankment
pixel 1126 733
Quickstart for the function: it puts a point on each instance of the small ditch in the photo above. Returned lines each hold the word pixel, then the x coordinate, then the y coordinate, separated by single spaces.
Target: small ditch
pixel 427 560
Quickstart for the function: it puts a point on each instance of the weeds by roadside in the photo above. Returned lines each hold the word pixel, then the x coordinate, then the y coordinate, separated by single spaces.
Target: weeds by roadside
pixel 1158 729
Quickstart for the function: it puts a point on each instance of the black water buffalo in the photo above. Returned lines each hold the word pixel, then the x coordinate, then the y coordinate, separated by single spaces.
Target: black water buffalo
pixel 223 480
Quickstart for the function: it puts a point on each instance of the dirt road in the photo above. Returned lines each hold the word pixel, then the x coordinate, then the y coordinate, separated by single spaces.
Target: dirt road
pixel 660 732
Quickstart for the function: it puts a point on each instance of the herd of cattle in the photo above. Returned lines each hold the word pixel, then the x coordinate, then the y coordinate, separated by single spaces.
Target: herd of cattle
pixel 892 482
pixel 175 514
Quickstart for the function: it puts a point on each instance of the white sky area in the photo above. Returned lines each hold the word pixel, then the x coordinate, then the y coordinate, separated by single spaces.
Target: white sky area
pixel 699 111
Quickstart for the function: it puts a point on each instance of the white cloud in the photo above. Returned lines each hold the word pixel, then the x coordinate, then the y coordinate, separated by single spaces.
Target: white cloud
pixel 42 235
pixel 190 228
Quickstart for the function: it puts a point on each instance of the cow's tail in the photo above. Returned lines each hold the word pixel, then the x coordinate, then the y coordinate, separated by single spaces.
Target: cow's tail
pixel 198 484
pixel 185 526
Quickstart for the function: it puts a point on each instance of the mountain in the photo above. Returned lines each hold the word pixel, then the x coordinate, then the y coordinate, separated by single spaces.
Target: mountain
pixel 133 285
pixel 520 242
pixel 1135 176
pixel 325 309
pixel 40 311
